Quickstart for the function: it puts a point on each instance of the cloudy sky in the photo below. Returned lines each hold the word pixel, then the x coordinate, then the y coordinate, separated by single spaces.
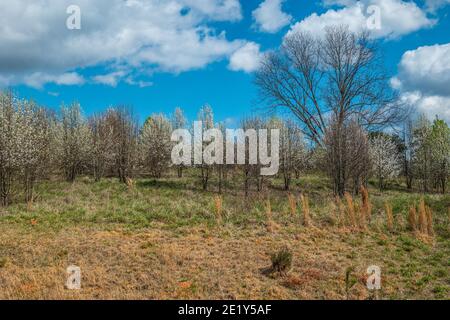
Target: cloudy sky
pixel 159 54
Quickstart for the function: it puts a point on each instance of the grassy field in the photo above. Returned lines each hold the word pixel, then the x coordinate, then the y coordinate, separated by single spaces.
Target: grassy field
pixel 162 239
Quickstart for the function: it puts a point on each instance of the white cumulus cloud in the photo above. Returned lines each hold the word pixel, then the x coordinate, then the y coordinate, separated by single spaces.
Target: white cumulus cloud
pixel 396 18
pixel 170 36
pixel 246 59
pixel 424 79
pixel 269 16
pixel 38 79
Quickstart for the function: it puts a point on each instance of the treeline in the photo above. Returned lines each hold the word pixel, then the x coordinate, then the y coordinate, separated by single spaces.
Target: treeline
pixel 36 142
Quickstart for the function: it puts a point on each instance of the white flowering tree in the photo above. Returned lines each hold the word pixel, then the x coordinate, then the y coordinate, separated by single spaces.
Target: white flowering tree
pixel 9 146
pixel 179 122
pixel 73 141
pixel 206 116
pixel 102 149
pixel 24 144
pixel 34 140
pixel 155 144
pixel 385 158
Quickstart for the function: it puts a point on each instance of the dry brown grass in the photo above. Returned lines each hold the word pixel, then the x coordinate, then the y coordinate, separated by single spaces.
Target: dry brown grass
pixel 423 223
pixel 412 218
pixel 130 183
pixel 162 243
pixel 193 263
pixel 389 216
pixel 366 208
pixel 430 228
pixel 218 202
pixel 351 214
pixel 305 210
pixel 271 225
pixel 341 211
pixel 292 204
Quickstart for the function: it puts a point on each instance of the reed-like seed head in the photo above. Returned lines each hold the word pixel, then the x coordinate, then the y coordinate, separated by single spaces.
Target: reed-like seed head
pixel 350 209
pixel 389 216
pixel 305 210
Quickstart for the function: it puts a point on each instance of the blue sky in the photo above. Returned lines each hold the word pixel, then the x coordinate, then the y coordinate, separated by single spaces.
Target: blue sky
pixel 190 52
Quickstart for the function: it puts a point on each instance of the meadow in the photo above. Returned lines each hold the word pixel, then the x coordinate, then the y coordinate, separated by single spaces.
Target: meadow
pixel 168 239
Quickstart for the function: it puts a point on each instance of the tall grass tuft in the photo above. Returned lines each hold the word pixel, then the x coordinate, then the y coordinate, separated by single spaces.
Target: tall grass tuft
pixel 270 224
pixel 305 210
pixel 218 202
pixel 30 204
pixel 412 218
pixel 389 216
pixel 429 221
pixel 341 210
pixel 350 209
pixel 130 183
pixel 366 207
pixel 292 204
pixel 423 223
pixel 268 210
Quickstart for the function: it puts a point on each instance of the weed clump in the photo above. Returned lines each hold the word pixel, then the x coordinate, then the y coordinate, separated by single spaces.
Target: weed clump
pixel 281 261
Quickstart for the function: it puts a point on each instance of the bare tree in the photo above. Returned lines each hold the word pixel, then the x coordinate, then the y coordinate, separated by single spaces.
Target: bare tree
pixel 292 149
pixel 338 77
pixel 422 148
pixel 347 156
pixel 408 153
pixel 103 153
pixel 125 135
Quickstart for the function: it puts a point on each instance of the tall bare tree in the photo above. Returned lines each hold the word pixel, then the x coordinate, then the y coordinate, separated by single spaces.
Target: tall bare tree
pixel 125 135
pixel 339 77
pixel 103 152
